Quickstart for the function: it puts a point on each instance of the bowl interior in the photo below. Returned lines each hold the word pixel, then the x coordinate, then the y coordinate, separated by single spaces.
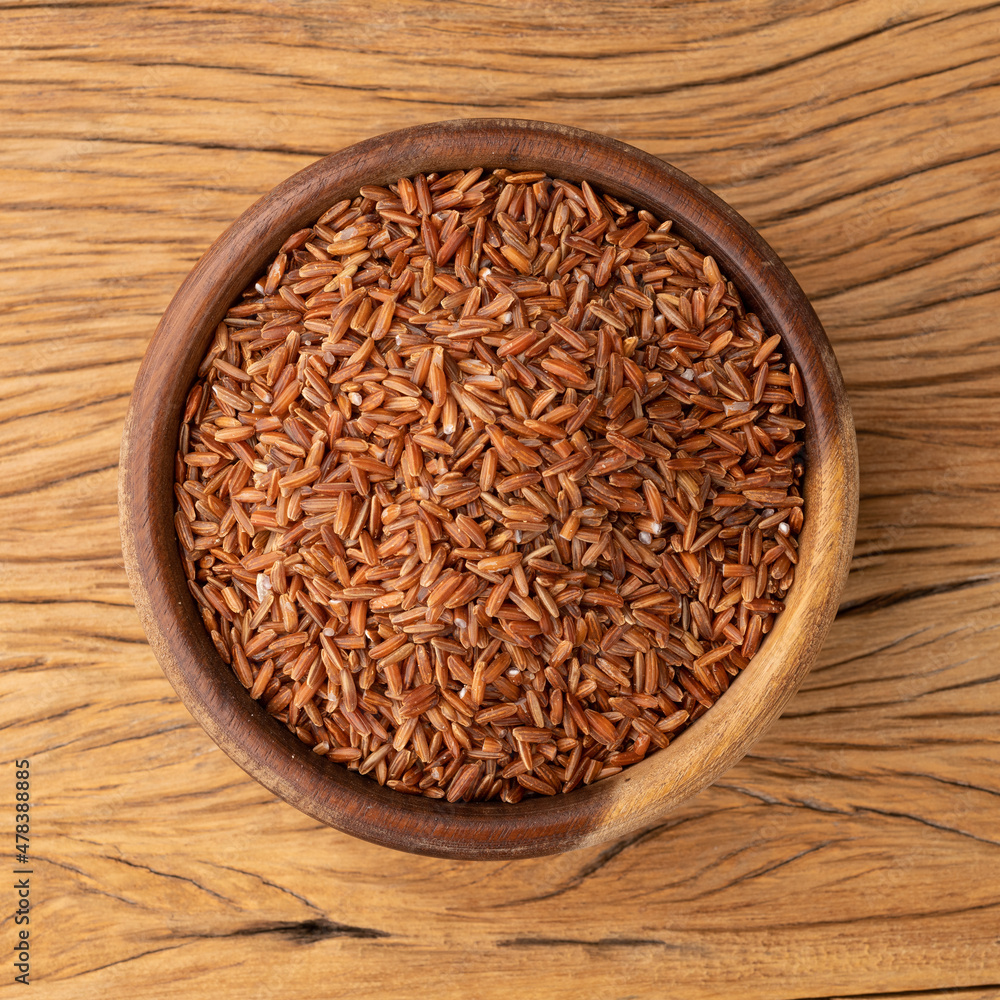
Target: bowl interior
pixel 357 805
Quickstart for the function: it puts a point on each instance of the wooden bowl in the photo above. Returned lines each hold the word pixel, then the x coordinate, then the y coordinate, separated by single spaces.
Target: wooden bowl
pixel 590 815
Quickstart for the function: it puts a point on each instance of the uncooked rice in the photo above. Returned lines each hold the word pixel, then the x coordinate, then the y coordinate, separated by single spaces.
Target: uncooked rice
pixel 489 486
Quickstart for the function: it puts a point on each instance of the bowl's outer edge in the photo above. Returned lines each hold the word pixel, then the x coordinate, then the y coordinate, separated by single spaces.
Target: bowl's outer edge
pixel 645 792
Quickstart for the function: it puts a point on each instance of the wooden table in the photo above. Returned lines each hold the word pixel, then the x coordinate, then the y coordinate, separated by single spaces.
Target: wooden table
pixel 855 851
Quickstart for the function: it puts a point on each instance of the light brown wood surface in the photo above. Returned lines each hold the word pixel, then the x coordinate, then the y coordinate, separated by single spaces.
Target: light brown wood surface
pixel 855 852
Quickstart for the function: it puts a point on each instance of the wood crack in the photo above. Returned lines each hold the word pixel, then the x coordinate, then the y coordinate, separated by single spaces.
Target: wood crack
pixel 763 870
pixel 179 878
pixel 855 810
pixel 600 943
pixel 947 991
pixel 272 885
pixel 881 601
pixel 305 931
pixel 603 859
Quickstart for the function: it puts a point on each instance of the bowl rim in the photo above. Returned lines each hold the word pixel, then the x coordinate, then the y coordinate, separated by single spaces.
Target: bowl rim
pixel 594 814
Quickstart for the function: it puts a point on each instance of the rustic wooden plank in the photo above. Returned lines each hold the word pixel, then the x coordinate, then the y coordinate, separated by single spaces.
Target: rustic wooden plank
pixel 830 830
pixel 854 853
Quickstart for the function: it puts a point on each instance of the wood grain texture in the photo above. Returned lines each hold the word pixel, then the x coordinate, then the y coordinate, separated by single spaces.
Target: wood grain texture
pixel 855 853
